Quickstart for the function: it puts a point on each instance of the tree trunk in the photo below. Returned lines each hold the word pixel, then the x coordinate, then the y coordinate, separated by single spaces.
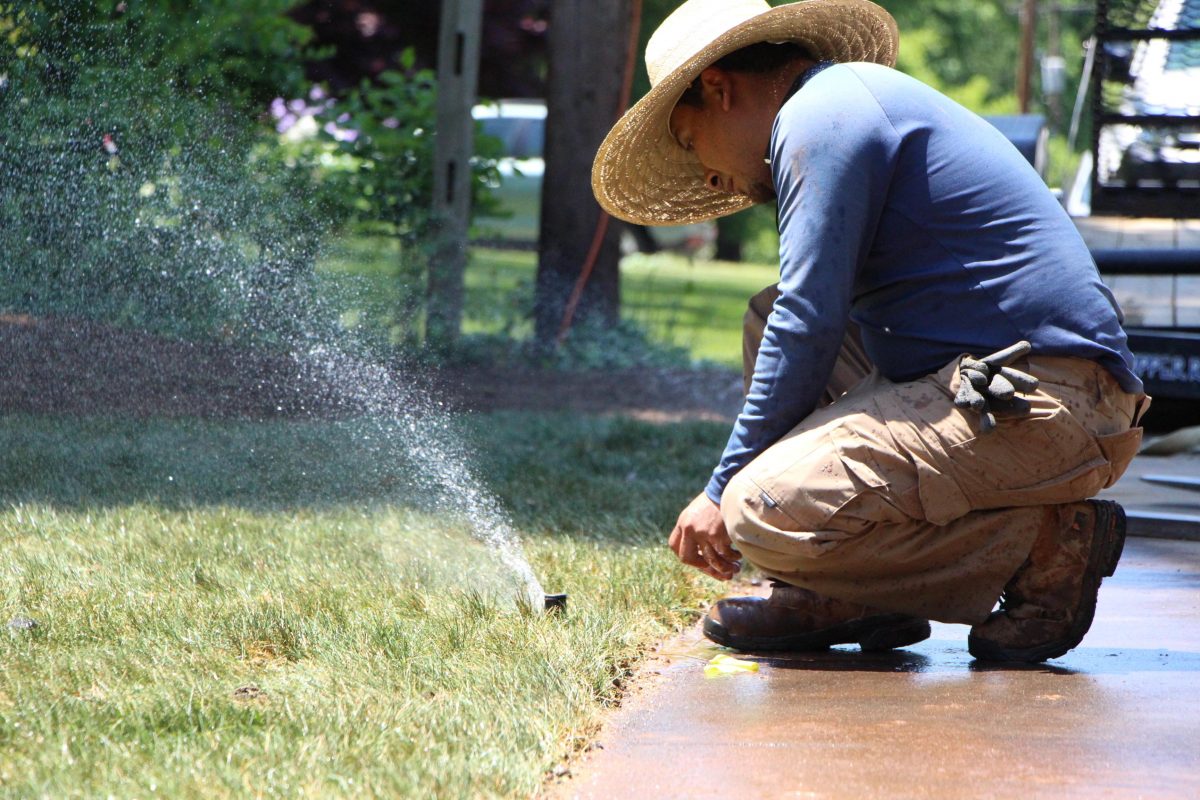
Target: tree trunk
pixel 587 51
pixel 731 231
pixel 643 238
pixel 458 72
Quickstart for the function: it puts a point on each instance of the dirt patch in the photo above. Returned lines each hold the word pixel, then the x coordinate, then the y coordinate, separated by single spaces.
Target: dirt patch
pixel 653 395
pixel 81 368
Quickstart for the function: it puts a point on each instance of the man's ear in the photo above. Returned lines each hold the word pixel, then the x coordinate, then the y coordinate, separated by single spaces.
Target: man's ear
pixel 717 87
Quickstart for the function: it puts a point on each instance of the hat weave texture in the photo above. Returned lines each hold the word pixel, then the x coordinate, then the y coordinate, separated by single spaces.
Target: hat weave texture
pixel 641 174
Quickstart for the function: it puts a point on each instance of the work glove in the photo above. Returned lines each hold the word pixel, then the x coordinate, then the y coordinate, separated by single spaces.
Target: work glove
pixel 988 386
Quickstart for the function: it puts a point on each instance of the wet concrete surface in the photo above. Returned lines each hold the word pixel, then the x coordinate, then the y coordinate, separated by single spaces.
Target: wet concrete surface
pixel 1117 717
pixel 1156 508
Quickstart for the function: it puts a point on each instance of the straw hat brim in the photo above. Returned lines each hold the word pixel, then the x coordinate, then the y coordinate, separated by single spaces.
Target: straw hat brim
pixel 642 175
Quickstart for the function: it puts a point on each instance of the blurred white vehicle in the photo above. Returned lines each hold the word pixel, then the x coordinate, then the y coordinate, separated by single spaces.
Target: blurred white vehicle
pixel 520 125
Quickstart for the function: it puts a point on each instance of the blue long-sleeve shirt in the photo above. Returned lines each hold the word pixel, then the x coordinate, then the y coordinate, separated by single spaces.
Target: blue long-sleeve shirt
pixel 914 217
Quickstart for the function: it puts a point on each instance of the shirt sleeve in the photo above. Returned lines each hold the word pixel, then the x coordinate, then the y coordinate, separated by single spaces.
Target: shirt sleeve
pixel 833 153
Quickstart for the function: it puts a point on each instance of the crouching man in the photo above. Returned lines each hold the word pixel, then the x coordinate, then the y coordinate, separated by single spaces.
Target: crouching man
pixel 939 381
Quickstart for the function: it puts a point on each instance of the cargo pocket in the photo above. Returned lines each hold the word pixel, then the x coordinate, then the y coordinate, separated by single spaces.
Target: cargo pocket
pixel 1035 460
pixel 819 484
pixel 1119 450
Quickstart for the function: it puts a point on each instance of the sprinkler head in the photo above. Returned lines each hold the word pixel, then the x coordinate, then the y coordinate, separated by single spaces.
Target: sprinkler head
pixel 556 603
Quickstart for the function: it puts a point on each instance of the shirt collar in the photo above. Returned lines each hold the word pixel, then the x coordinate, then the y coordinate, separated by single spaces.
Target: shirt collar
pixel 801 79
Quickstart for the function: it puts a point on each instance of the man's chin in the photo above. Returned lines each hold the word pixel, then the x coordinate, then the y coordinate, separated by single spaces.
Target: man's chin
pixel 761 192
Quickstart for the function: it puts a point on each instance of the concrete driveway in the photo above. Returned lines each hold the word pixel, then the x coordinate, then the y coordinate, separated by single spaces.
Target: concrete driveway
pixel 1117 717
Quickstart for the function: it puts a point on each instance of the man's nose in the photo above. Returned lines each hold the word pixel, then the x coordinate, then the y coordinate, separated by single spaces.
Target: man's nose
pixel 713 179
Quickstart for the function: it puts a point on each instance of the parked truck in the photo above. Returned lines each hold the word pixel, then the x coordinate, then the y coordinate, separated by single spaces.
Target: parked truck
pixel 1142 182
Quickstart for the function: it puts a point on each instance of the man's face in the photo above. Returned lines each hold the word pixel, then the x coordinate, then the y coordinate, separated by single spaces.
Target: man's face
pixel 728 137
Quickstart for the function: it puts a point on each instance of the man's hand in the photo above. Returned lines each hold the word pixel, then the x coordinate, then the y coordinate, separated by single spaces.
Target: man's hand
pixel 701 541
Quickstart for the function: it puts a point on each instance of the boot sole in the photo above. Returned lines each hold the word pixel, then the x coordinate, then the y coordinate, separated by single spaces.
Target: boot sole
pixel 1107 547
pixel 872 634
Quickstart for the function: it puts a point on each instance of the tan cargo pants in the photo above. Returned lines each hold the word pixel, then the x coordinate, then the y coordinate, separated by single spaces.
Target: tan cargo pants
pixel 889 496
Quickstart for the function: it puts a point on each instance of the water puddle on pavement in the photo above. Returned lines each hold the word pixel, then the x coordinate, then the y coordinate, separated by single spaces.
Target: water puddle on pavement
pixel 689 648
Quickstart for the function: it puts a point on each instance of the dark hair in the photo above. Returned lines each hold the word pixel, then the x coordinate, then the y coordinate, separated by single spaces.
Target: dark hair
pixel 755 58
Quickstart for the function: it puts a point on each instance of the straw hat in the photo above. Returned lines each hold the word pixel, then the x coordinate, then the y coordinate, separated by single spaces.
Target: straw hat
pixel 641 174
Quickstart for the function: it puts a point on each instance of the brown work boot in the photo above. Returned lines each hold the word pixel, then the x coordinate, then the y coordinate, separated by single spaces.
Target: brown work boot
pixel 797 619
pixel 1048 605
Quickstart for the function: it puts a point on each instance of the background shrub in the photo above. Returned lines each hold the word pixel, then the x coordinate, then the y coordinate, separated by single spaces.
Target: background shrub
pixel 136 188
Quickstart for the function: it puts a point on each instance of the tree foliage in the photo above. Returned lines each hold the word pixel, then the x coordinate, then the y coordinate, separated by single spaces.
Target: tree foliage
pixel 143 180
pixel 967 49
pixel 134 185
pixel 240 51
pixel 371 154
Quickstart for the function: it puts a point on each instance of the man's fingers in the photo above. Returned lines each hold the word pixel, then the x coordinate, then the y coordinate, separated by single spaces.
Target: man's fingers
pixel 673 540
pixel 724 548
pixel 716 567
pixel 699 540
pixel 724 565
pixel 701 555
pixel 688 549
pixel 727 562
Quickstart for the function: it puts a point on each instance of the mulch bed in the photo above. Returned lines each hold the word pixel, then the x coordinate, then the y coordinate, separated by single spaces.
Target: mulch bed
pixel 81 368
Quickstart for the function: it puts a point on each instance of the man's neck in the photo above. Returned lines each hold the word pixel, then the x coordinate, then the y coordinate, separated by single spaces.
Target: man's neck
pixel 766 92
pixel 780 86
pixel 782 80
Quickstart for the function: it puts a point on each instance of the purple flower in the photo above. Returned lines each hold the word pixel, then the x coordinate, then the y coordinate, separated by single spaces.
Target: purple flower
pixel 340 134
pixel 286 122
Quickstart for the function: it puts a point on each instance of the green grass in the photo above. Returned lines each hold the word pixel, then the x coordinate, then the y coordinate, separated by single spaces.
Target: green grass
pixel 520 201
pixel 278 608
pixel 365 277
pixel 692 304
pixel 697 305
pixel 233 608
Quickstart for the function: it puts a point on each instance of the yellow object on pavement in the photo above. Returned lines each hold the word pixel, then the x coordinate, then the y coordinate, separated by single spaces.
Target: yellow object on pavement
pixel 722 664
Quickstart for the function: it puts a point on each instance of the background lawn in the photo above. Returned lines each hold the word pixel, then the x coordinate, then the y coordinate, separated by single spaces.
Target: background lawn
pixel 226 608
pixel 233 608
pixel 697 305
pixel 692 304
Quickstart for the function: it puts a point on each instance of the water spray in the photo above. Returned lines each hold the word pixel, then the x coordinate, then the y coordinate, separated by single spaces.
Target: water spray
pixel 199 238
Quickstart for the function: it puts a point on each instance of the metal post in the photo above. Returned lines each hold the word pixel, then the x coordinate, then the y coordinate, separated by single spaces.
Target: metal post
pixel 1025 65
pixel 1099 66
pixel 458 75
pixel 1053 68
pixel 1085 81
